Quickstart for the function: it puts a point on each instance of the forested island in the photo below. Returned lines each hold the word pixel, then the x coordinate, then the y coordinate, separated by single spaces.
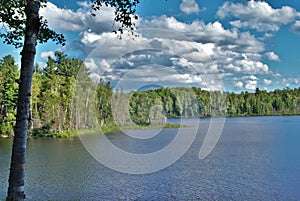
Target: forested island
pixel 57 111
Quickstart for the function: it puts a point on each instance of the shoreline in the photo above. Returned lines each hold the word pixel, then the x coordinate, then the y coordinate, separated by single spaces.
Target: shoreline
pixel 111 129
pixel 105 130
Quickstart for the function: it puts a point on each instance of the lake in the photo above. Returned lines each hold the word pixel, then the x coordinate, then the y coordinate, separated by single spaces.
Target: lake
pixel 256 158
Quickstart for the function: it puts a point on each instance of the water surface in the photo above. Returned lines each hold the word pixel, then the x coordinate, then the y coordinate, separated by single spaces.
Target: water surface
pixel 257 158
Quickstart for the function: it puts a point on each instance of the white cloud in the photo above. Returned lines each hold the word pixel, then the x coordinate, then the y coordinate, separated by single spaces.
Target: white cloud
pixel 266 36
pixel 258 15
pixel 89 38
pixel 238 62
pixel 248 43
pixel 297 80
pixel 68 20
pixel 238 84
pixel 136 63
pixel 208 48
pixel 108 45
pixel 164 22
pixel 91 64
pixel 189 6
pixel 258 26
pixel 250 66
pixel 63 19
pixel 184 78
pixel 233 68
pixel 45 55
pixel 95 77
pixel 83 4
pixel 276 75
pixel 272 56
pixel 214 50
pixel 267 82
pixel 182 62
pixel 251 84
pixel 296 27
pixel 41 65
pixel 209 37
pixel 203 33
pixel 251 77
pixel 246 82
pixel 97 68
pixel 290 82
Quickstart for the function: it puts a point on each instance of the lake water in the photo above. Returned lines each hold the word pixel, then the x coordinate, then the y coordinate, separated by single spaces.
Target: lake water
pixel 256 158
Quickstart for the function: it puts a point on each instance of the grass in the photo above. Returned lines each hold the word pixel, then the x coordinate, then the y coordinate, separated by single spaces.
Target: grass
pixel 64 134
pixel 105 129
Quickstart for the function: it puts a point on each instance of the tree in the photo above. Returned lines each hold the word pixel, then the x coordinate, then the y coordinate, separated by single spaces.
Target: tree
pixel 35 98
pixel 8 94
pixel 103 98
pixel 34 29
pixel 23 20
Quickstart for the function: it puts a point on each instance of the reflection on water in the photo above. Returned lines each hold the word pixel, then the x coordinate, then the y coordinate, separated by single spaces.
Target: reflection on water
pixel 257 158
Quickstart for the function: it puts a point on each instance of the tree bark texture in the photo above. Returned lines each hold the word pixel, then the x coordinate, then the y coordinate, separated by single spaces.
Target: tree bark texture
pixel 16 176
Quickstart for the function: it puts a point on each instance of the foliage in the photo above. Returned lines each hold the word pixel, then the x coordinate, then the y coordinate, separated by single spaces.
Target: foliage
pixel 12 17
pixel 8 94
pixel 278 102
pixel 52 95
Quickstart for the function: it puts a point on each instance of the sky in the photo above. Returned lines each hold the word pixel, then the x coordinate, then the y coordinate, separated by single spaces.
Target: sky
pixel 216 45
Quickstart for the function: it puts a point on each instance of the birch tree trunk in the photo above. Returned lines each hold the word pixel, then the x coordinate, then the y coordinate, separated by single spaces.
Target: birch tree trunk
pixel 16 176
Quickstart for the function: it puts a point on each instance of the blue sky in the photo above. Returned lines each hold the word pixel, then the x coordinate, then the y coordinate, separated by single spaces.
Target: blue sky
pixel 239 44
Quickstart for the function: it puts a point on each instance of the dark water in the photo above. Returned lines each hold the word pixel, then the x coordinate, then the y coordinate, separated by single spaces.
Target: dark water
pixel 257 158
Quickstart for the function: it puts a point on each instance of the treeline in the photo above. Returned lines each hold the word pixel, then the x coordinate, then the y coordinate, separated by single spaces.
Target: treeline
pixel 64 99
pixel 195 102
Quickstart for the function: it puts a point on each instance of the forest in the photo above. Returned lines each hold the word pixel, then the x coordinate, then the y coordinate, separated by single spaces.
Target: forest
pixel 64 100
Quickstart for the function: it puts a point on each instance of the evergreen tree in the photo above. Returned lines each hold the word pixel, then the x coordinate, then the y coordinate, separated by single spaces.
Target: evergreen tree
pixel 9 73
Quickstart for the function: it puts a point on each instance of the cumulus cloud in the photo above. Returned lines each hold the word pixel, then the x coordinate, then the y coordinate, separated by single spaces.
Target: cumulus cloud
pixel 272 56
pixel 268 35
pixel 88 38
pixel 238 62
pixel 267 82
pixel 296 27
pixel 290 82
pixel 177 59
pixel 107 45
pixel 45 55
pixel 137 63
pixel 209 49
pixel 246 82
pixel 250 66
pixel 257 15
pixel 238 84
pixel 189 6
pixel 197 30
pixel 195 49
pixel 63 19
pixel 68 20
pixel 212 32
pixel 251 84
